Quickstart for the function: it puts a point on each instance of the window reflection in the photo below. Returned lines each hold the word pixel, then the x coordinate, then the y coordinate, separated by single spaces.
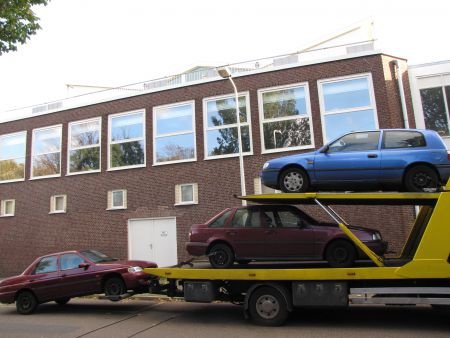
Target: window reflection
pixel 221 131
pixel 175 135
pixel 46 152
pixel 12 156
pixel 286 121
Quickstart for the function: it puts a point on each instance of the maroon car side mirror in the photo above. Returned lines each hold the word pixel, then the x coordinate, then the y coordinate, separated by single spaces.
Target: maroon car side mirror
pixel 84 266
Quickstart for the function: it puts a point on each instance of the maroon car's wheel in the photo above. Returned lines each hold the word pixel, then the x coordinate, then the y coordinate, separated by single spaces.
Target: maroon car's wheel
pixel 421 177
pixel 62 301
pixel 26 303
pixel 294 180
pixel 114 286
pixel 221 256
pixel 340 254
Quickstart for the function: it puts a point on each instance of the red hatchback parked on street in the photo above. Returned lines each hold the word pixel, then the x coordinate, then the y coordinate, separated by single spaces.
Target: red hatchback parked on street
pixel 276 232
pixel 61 276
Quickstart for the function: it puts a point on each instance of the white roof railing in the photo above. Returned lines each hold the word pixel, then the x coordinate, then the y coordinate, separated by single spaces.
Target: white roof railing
pixel 196 76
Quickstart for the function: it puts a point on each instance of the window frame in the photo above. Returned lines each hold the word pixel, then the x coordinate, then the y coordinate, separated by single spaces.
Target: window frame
pixel 3 208
pixel 33 154
pixel 24 156
pixel 446 106
pixel 179 195
pixel 110 201
pixel 53 209
pixel 193 131
pixel 246 95
pixel 323 113
pixel 69 145
pixel 262 120
pixel 143 138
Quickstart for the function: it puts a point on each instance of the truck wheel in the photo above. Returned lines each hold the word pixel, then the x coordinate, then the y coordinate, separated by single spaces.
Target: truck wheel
pixel 26 303
pixel 268 307
pixel 114 286
pixel 221 256
pixel 340 254
pixel 421 177
pixel 294 180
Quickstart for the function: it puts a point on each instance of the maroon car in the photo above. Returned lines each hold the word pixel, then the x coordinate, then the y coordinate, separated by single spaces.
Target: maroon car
pixel 276 232
pixel 61 276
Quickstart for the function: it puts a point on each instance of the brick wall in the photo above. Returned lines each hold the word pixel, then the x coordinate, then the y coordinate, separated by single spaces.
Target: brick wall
pixel 87 223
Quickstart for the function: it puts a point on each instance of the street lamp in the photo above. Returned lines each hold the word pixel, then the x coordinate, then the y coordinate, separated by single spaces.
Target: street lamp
pixel 225 73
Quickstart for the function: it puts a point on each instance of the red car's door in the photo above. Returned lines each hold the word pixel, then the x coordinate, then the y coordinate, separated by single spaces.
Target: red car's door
pixel 289 237
pixel 45 279
pixel 75 280
pixel 246 233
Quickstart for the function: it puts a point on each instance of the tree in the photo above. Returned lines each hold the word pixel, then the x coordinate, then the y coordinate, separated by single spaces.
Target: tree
pixel 17 22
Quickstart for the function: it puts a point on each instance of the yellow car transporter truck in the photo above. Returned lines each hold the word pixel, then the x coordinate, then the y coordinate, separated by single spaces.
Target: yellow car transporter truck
pixel 421 275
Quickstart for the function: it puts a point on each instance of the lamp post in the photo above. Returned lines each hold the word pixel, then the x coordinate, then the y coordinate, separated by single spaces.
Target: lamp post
pixel 225 73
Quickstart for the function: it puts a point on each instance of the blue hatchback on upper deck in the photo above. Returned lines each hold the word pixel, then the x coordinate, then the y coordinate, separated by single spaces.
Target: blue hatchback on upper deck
pixel 405 159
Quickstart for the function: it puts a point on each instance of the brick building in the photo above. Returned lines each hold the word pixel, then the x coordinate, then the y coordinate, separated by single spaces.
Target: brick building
pixel 129 175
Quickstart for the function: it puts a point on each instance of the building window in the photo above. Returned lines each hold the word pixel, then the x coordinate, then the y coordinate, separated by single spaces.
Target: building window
pixel 84 146
pixel 435 105
pixel 126 140
pixel 58 204
pixel 8 208
pixel 220 121
pixel 117 199
pixel 12 157
pixel 186 194
pixel 46 152
pixel 174 133
pixel 285 115
pixel 347 104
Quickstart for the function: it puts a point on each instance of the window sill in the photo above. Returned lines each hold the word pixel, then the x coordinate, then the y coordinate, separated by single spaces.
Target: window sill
pixel 116 208
pixel 57 212
pixel 9 215
pixel 185 203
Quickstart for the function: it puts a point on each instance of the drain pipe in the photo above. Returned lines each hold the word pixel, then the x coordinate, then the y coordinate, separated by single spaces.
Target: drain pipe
pixel 402 94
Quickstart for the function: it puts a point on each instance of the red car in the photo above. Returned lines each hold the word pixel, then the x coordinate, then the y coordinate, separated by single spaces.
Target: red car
pixel 61 276
pixel 276 232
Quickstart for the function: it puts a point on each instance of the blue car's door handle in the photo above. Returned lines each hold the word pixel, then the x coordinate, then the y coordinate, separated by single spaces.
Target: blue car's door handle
pixel 372 156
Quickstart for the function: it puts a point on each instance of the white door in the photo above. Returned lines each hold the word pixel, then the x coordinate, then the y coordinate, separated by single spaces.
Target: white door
pixel 153 239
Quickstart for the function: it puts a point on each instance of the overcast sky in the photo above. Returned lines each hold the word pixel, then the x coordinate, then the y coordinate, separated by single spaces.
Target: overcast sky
pixel 118 42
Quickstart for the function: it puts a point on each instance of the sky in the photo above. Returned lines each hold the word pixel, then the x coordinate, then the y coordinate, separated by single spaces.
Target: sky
pixel 119 42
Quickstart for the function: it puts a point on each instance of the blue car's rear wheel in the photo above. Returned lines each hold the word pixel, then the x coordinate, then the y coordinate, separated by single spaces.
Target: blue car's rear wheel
pixel 420 178
pixel 294 180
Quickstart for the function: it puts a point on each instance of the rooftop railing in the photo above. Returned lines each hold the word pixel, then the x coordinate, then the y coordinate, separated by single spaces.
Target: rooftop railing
pixel 194 76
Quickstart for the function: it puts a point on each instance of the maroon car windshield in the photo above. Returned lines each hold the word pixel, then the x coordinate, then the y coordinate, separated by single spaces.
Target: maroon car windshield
pixel 97 256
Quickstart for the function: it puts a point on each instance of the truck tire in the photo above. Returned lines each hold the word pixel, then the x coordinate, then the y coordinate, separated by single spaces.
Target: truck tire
pixel 221 256
pixel 268 307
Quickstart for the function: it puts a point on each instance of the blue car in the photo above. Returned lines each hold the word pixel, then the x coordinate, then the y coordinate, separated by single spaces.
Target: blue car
pixel 405 159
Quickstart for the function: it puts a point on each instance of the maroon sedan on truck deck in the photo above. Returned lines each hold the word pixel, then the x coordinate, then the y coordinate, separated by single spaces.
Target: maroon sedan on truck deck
pixel 276 232
pixel 61 276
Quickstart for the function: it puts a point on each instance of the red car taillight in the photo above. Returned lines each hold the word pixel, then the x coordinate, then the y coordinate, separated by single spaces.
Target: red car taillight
pixel 448 155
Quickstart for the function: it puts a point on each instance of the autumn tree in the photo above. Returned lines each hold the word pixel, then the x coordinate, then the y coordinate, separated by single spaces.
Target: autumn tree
pixel 17 22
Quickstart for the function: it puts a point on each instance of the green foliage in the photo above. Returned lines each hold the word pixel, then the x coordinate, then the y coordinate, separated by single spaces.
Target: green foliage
pixel 17 22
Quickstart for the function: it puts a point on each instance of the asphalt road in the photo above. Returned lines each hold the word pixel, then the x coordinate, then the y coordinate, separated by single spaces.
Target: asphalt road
pixel 158 318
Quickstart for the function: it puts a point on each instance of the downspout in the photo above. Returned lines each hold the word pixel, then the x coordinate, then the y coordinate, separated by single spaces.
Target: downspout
pixel 402 94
